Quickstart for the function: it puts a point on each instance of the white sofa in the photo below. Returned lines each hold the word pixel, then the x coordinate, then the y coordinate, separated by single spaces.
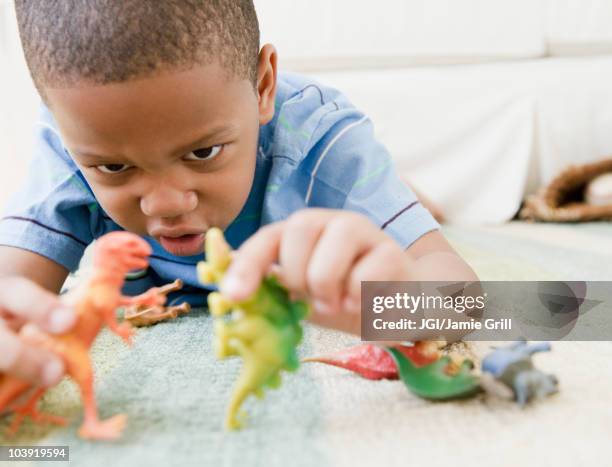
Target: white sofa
pixel 18 106
pixel 479 101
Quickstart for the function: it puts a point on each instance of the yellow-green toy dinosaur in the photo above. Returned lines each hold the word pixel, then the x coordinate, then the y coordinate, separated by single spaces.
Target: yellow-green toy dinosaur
pixel 264 330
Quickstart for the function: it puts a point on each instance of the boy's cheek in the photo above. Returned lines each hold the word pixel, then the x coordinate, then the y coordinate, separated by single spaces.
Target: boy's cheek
pixel 124 211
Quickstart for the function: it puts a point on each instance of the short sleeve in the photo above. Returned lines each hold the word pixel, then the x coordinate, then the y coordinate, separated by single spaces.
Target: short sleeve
pixel 348 168
pixel 55 212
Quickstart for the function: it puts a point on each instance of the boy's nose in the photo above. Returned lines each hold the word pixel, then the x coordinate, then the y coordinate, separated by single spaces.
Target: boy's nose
pixel 164 201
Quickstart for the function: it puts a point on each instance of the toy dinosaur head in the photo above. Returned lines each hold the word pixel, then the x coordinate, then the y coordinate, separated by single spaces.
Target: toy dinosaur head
pixel 121 252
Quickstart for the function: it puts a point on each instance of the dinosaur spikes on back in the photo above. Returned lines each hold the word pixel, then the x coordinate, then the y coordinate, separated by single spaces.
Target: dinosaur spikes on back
pixel 218 257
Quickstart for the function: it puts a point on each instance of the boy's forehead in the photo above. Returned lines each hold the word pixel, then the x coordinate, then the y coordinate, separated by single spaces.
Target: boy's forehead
pixel 177 102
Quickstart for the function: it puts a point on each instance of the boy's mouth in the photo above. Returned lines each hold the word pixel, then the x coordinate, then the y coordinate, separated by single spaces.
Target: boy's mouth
pixel 184 245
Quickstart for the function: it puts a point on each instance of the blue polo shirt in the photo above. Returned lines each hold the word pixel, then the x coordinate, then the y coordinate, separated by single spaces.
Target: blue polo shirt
pixel 317 151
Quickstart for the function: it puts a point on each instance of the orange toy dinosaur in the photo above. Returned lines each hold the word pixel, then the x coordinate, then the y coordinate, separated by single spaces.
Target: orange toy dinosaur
pixel 94 302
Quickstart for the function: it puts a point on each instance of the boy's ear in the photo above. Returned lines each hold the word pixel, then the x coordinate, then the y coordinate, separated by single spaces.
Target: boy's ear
pixel 266 83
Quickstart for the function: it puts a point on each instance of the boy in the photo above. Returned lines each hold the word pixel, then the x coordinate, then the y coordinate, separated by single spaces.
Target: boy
pixel 165 119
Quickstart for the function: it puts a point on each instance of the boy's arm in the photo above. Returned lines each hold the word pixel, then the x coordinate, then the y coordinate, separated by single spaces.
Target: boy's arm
pixel 23 263
pixel 432 258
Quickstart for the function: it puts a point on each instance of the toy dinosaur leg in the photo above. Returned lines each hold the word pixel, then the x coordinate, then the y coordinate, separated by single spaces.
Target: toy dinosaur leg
pixel 250 381
pixel 148 316
pixel 235 418
pixel 521 390
pixel 172 287
pixel 10 390
pixel 79 367
pixel 140 315
pixel 172 312
pixel 538 347
pixel 29 409
pixel 257 341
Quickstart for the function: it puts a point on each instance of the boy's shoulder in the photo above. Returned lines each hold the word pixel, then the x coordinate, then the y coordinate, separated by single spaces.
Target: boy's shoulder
pixel 323 152
pixel 305 110
pixel 296 87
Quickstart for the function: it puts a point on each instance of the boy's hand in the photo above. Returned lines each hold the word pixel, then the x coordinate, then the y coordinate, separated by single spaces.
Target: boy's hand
pixel 23 301
pixel 321 254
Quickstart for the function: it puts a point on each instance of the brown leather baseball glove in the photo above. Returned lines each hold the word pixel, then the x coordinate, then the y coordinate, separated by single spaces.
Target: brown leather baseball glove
pixel 563 200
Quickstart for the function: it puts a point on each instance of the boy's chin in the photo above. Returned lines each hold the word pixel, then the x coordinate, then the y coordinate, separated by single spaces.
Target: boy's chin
pixel 186 245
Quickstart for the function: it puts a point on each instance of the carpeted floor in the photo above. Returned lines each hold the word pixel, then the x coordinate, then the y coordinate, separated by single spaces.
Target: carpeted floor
pixel 174 391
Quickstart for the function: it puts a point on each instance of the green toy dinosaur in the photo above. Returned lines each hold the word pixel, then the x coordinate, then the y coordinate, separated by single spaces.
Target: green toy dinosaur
pixel 433 381
pixel 264 330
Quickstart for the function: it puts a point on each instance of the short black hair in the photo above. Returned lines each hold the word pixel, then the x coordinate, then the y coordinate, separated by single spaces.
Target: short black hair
pixel 109 41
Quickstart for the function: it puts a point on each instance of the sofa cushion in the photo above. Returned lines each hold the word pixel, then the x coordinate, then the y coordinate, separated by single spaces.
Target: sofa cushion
pixel 322 35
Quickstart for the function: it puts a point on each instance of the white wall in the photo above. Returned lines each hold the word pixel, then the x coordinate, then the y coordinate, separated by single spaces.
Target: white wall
pixel 18 105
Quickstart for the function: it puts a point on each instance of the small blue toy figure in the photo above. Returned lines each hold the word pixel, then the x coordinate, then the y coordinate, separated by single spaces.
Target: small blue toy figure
pixel 512 366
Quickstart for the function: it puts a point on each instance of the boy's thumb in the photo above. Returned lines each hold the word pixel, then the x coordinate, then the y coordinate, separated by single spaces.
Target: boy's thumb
pixel 29 302
pixel 28 362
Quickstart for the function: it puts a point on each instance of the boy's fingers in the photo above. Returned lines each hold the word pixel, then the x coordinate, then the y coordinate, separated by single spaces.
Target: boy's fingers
pixel 344 240
pixel 27 362
pixel 258 253
pixel 251 262
pixel 12 321
pixel 385 262
pixel 347 322
pixel 27 301
pixel 300 236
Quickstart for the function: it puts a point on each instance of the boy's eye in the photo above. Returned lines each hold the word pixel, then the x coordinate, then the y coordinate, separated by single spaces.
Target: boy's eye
pixel 204 153
pixel 112 168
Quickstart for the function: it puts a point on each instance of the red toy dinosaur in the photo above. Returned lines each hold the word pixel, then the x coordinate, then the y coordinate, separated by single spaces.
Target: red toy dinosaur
pixel 374 362
pixel 94 302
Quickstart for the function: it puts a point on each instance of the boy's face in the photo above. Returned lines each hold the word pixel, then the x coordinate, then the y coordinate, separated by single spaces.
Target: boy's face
pixel 172 155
